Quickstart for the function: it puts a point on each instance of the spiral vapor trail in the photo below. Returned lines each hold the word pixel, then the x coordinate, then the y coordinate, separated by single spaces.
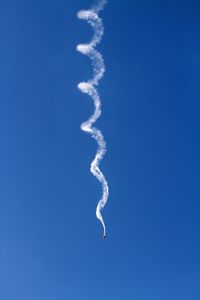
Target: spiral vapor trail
pixel 91 16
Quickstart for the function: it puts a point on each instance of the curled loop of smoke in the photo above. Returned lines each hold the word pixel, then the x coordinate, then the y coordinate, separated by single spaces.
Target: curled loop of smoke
pixel 91 16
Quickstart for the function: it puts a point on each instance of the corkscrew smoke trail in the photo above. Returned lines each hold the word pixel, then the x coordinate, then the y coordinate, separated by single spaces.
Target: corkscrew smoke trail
pixel 91 16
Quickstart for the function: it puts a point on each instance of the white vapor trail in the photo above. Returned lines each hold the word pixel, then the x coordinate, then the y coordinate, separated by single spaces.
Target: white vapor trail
pixel 91 16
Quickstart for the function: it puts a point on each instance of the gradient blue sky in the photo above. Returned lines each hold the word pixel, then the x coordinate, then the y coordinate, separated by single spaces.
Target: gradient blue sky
pixel 51 245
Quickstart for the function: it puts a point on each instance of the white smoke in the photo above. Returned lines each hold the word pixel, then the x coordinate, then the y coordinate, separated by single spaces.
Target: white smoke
pixel 91 16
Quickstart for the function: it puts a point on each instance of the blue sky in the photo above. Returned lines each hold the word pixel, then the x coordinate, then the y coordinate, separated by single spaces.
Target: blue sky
pixel 51 245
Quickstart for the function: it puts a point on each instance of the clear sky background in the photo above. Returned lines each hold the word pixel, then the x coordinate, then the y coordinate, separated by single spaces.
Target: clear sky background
pixel 51 245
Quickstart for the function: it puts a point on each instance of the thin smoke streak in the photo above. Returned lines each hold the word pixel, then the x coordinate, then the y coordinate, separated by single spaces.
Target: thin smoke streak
pixel 91 16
